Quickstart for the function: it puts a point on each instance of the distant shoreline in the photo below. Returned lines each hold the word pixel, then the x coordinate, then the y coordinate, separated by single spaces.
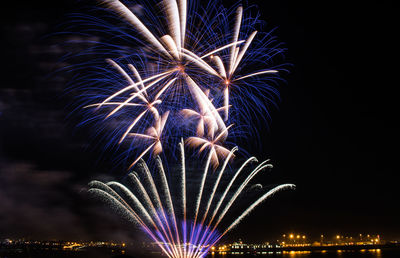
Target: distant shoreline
pixel 313 248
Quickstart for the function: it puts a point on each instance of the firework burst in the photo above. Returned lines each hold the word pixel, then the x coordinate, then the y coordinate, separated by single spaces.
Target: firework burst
pixel 206 67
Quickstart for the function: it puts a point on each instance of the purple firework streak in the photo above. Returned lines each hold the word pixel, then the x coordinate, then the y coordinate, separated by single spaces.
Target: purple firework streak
pixel 166 220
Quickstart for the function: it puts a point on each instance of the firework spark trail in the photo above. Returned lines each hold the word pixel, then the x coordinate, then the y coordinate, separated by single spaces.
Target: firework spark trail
pixel 130 215
pixel 198 198
pixel 159 204
pixel 222 48
pixel 117 186
pixel 154 133
pixel 142 192
pixel 138 77
pixel 242 186
pixel 253 206
pixel 157 216
pixel 216 209
pixel 171 8
pixel 169 203
pixel 149 203
pixel 156 199
pixel 143 94
pixel 182 12
pixel 137 94
pixel 229 187
pixel 133 86
pixel 105 188
pixel 127 77
pixel 183 194
pixel 216 184
pixel 245 47
pixel 121 204
pixel 239 191
pixel 239 13
pixel 139 117
pixel 255 74
pixel 121 9
pixel 192 57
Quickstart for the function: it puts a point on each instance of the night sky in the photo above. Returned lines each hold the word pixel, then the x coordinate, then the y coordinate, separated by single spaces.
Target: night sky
pixel 335 134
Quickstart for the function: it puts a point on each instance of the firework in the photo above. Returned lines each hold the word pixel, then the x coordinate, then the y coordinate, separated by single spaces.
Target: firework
pixel 180 232
pixel 190 63
pixel 193 75
pixel 216 150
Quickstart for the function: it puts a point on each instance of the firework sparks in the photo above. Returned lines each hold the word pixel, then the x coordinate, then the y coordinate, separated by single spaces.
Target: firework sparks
pixel 154 134
pixel 216 150
pixel 154 209
pixel 199 73
pixel 186 75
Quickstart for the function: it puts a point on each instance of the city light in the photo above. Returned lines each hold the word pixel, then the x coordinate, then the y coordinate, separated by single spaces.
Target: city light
pixel 291 245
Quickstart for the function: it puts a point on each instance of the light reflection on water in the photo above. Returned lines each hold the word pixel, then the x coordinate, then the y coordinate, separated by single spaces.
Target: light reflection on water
pixel 372 253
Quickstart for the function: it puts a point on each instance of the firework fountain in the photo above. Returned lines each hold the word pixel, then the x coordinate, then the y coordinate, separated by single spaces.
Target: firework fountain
pixel 197 77
pixel 153 209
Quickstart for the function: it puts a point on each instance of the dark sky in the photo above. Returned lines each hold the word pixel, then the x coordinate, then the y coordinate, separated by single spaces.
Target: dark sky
pixel 334 135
